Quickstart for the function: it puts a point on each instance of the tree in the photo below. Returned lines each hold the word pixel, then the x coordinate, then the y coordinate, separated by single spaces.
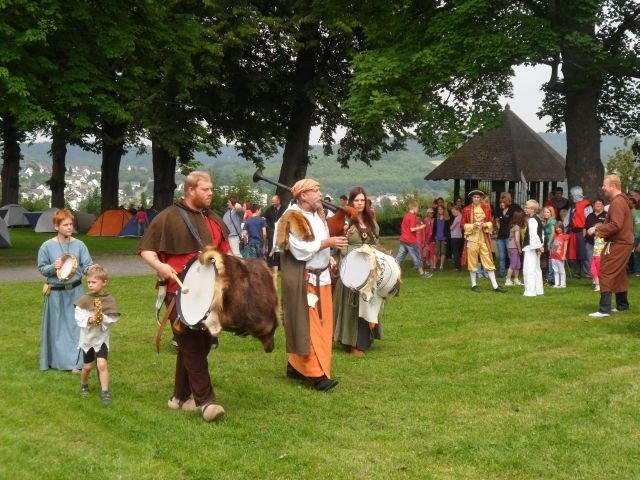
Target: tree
pixel 623 164
pixel 436 69
pixel 24 27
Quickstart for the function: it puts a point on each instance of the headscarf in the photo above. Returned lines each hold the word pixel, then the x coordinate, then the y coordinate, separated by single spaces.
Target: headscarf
pixel 304 185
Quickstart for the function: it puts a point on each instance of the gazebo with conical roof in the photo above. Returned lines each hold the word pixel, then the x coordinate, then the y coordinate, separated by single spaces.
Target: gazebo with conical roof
pixel 512 158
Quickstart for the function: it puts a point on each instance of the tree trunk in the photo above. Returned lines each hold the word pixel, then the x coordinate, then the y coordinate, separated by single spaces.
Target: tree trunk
pixel 295 158
pixel 164 176
pixel 582 87
pixel 58 154
pixel 584 166
pixel 112 152
pixel 11 160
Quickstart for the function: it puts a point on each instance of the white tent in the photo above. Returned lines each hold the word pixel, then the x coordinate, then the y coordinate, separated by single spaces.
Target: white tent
pixel 5 240
pixel 13 215
pixel 45 222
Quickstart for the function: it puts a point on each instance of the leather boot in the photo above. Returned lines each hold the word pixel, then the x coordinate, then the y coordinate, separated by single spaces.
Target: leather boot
pixel 605 302
pixel 621 301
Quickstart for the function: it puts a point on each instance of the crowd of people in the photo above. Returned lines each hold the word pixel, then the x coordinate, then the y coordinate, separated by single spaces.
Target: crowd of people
pixel 307 243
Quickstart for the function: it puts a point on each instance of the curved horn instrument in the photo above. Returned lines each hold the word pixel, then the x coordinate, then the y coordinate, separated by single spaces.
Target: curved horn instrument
pixel 258 175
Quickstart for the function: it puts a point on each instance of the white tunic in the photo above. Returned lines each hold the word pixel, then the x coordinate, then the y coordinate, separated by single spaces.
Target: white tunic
pixel 93 336
pixel 310 252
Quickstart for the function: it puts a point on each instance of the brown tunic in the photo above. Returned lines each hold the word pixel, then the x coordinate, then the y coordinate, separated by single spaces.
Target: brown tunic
pixel 168 232
pixel 617 232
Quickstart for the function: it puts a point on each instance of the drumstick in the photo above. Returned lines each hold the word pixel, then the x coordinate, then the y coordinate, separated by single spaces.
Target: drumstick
pixel 180 284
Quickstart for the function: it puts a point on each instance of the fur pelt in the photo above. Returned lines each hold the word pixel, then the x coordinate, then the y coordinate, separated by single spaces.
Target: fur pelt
pixel 293 222
pixel 245 298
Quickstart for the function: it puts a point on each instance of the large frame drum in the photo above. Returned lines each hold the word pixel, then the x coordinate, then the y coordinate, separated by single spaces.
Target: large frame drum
pixel 200 279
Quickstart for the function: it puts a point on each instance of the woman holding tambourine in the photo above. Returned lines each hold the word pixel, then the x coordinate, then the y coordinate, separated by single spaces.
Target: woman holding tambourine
pixel 62 260
pixel 351 330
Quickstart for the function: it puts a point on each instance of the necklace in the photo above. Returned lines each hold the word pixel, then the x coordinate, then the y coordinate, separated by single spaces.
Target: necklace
pixel 68 242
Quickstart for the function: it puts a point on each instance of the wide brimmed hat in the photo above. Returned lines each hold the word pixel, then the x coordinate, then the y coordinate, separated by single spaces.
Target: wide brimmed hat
pixel 476 192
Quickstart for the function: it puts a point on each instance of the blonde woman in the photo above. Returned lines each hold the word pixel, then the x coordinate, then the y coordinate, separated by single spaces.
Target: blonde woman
pixel 532 246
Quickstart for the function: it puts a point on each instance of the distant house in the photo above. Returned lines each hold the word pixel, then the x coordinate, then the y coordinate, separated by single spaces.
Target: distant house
pixel 512 158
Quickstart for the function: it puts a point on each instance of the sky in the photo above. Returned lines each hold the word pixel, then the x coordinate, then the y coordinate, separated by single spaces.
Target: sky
pixel 527 96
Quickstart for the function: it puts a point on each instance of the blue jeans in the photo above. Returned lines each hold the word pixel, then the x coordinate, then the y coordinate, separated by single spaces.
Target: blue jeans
pixel 503 254
pixel 412 250
pixel 252 250
pixel 636 257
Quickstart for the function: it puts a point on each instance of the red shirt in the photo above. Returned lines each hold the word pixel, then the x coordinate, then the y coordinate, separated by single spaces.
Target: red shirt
pixel 178 262
pixel 409 221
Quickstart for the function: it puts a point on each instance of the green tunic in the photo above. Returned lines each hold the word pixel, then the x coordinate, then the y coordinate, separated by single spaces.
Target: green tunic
pixel 349 328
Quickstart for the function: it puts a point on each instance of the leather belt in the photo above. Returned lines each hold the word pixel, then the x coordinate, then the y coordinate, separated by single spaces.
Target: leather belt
pixel 67 286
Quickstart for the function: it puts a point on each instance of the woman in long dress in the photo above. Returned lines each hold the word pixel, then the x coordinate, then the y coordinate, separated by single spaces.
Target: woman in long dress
pixel 59 333
pixel 350 329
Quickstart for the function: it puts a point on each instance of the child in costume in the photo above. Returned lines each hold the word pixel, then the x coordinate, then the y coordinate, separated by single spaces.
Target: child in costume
pixel 94 314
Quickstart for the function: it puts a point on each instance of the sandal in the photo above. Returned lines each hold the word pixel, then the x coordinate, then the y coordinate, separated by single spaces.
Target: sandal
pixel 106 397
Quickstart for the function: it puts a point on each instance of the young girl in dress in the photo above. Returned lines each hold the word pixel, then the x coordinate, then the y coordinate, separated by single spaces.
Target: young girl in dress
pixel 558 255
pixel 441 234
pixel 514 248
pixel 430 244
pixel 532 246
pixel 598 246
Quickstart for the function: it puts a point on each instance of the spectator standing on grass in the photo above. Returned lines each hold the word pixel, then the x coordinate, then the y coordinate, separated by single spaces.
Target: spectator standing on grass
pixel 409 239
pixel 428 254
pixel 503 220
pixel 549 221
pixel 514 247
pixel 255 234
pixel 597 216
pixel 457 240
pixel 233 219
pixel 558 256
pixel 598 246
pixel 441 234
pixel 532 246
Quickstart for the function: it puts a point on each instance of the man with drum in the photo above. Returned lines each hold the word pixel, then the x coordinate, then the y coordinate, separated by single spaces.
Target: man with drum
pixel 174 237
pixel 303 238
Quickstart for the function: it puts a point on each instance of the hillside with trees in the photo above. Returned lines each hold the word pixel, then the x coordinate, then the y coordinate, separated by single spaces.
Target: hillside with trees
pixel 398 172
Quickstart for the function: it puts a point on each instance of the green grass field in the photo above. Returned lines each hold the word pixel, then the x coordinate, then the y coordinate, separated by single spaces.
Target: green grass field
pixel 464 386
pixel 25 245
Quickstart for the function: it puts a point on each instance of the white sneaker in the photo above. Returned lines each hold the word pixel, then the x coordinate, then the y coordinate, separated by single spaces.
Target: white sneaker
pixel 596 288
pixel 508 283
pixel 598 314
pixel 517 282
pixel 562 286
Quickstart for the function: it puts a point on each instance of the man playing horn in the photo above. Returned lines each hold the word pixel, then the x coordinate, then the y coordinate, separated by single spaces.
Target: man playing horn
pixel 167 246
pixel 477 224
pixel 303 238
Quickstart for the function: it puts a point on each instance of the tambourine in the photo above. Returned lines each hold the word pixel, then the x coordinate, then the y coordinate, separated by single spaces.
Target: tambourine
pixel 68 267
